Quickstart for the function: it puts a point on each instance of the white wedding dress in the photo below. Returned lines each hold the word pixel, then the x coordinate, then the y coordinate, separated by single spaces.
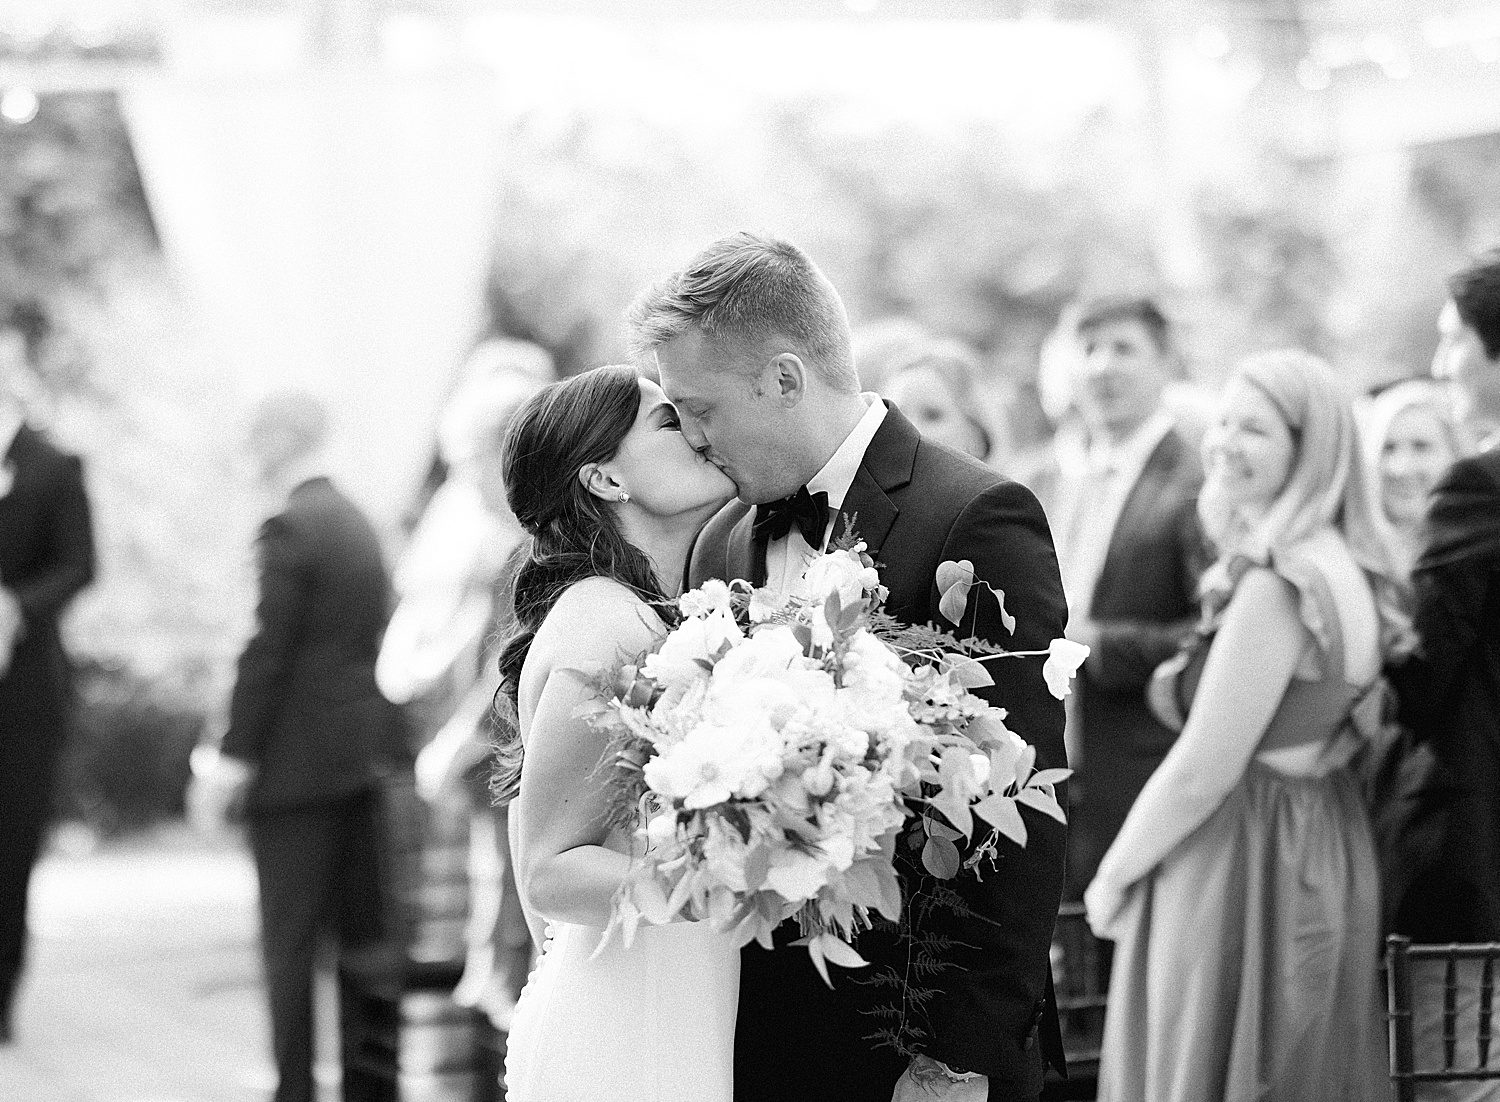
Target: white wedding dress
pixel 651 1023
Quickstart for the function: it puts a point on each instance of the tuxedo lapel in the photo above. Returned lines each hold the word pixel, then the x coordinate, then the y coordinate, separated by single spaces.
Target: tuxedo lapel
pixel 13 482
pixel 887 466
pixel 1140 508
pixel 868 513
pixel 747 555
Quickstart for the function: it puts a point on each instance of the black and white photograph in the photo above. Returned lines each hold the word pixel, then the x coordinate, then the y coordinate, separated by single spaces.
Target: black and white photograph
pixel 749 550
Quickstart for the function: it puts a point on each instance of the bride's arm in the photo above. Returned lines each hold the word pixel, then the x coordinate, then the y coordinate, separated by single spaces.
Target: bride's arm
pixel 1249 666
pixel 563 870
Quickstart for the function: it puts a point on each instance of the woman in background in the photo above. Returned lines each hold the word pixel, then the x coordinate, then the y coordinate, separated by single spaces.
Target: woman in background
pixel 932 380
pixel 1242 890
pixel 1410 442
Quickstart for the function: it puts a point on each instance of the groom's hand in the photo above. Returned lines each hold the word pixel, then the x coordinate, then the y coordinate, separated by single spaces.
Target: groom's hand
pixel 926 1079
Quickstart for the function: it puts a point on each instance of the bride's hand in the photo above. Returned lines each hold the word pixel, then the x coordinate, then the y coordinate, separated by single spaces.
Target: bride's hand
pixel 1104 904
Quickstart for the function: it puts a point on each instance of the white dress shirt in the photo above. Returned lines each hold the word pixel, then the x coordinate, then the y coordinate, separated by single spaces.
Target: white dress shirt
pixel 788 557
pixel 1093 497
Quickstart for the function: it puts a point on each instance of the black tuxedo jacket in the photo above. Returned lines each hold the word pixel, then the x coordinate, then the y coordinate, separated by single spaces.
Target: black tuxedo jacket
pixel 917 504
pixel 46 557
pixel 1145 602
pixel 1451 697
pixel 305 708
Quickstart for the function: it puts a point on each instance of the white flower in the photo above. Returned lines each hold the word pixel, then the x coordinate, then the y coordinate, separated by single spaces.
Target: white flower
pixel 767 653
pixel 765 603
pixel 1063 659
pixel 839 572
pixel 662 828
pixel 795 875
pixel 711 596
pixel 724 852
pixel 688 650
pixel 716 763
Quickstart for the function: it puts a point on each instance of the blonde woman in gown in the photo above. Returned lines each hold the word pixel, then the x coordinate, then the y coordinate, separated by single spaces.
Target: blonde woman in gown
pixel 611 495
pixel 1242 891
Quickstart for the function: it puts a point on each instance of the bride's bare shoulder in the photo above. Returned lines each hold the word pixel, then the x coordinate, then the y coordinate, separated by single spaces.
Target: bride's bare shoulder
pixel 596 620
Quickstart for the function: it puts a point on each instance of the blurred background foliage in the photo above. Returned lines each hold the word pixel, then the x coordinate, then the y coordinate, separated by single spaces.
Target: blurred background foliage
pixel 977 233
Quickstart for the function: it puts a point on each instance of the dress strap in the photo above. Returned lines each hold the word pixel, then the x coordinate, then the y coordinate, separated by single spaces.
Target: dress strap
pixel 1317 608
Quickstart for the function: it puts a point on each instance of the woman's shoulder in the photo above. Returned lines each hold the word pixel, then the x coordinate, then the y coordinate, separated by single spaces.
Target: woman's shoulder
pixel 1334 596
pixel 595 620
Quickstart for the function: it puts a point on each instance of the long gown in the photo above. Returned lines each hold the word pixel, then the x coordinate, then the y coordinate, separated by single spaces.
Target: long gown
pixel 651 1023
pixel 1247 966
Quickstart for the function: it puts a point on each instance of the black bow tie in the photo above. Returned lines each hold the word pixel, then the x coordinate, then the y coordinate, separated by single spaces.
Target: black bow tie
pixel 808 513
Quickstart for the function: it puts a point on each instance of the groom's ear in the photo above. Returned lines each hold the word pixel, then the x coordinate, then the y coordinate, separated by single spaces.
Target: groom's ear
pixel 787 378
pixel 597 481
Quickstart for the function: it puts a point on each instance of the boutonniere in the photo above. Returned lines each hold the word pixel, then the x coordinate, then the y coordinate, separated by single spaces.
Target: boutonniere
pixel 7 477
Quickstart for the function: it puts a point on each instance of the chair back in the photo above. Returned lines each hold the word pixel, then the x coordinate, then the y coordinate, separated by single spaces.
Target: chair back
pixel 1465 1010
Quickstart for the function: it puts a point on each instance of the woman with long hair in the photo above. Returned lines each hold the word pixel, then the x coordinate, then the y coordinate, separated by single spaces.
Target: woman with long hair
pixel 611 497
pixel 1242 891
pixel 1411 439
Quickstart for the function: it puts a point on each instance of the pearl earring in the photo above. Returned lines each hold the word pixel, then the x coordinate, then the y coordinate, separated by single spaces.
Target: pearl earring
pixel 624 497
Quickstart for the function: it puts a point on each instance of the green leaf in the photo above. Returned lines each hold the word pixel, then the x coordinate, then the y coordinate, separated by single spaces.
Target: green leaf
pixel 940 857
pixel 1050 776
pixel 966 672
pixel 1005 617
pixel 815 950
pixel 1043 802
pixel 757 867
pixel 841 952
pixel 1002 814
pixel 939 829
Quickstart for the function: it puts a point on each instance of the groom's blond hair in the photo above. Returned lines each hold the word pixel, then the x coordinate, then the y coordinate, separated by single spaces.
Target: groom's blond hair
pixel 751 296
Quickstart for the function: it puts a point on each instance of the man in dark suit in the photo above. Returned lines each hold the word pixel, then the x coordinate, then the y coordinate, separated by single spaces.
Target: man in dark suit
pixel 1131 552
pixel 310 738
pixel 1451 694
pixel 46 557
pixel 752 344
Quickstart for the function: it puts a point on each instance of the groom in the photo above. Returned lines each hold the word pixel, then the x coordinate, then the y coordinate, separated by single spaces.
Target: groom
pixel 752 344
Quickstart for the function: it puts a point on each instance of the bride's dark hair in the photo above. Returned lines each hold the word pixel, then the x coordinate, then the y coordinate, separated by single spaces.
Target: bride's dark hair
pixel 572 533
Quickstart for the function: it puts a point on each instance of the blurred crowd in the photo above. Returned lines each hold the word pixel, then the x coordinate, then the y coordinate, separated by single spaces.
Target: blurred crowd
pixel 1286 587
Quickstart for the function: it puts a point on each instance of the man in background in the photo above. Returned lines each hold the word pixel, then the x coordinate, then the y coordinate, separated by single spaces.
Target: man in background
pixel 1129 544
pixel 310 739
pixel 46 557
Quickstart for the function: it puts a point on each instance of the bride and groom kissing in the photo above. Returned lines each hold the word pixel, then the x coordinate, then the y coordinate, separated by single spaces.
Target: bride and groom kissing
pixel 754 448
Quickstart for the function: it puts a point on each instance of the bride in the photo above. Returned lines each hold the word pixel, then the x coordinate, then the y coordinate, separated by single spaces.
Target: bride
pixel 599 475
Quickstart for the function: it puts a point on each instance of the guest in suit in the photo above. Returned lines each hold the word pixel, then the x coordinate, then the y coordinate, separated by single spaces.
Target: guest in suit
pixel 1131 550
pixel 753 347
pixel 46 557
pixel 310 738
pixel 1451 693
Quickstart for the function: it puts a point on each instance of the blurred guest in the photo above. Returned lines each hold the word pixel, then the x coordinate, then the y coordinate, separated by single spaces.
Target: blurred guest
pixel 879 345
pixel 932 380
pixel 310 738
pixel 935 385
pixel 1411 439
pixel 1242 892
pixel 1058 368
pixel 46 557
pixel 1131 551
pixel 493 357
pixel 455 763
pixel 1450 694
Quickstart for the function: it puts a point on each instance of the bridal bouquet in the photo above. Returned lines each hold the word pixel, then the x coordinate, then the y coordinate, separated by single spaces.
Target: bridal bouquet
pixel 769 752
